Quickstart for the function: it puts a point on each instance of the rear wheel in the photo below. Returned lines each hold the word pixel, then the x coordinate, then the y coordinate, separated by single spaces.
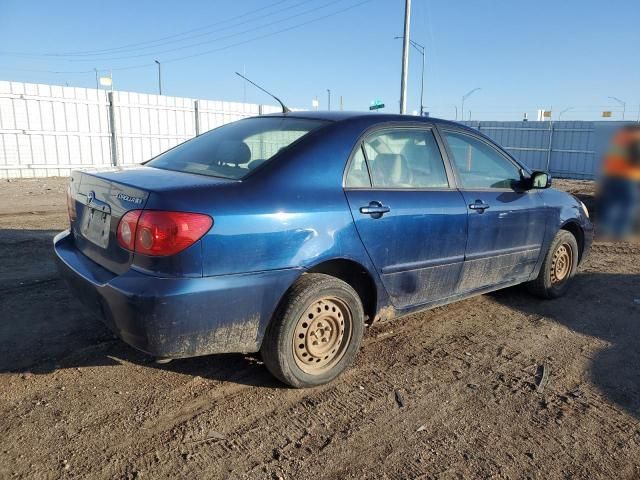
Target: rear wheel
pixel 559 267
pixel 316 332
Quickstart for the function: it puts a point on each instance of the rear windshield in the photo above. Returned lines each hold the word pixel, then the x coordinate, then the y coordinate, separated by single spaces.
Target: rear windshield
pixel 235 149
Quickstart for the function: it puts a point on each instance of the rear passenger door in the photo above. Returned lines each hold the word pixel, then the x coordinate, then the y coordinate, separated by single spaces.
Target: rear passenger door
pixel 411 220
pixel 506 223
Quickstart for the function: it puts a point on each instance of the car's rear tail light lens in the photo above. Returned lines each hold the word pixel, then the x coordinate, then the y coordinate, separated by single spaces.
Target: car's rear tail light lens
pixel 161 233
pixel 126 233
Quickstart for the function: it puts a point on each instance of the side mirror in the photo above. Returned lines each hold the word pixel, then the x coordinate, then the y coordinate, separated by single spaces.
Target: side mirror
pixel 540 180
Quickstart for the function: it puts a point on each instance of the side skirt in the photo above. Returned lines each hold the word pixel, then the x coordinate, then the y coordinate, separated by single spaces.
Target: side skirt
pixel 388 312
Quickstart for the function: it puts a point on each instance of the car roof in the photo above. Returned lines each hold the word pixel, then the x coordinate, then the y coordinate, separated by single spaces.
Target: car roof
pixel 373 117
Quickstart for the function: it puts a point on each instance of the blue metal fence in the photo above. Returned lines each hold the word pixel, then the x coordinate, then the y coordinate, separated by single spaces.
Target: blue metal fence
pixel 565 149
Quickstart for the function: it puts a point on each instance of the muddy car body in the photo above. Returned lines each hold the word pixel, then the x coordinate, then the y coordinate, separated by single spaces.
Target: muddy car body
pixel 366 216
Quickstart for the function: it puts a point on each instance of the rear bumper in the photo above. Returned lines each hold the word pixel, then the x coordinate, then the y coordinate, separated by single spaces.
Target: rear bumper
pixel 176 317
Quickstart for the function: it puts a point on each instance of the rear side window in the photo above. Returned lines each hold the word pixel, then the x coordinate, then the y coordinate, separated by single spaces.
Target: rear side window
pixel 399 158
pixel 358 175
pixel 235 149
pixel 480 165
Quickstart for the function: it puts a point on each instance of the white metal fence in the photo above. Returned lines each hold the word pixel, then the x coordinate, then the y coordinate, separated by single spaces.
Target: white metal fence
pixel 48 130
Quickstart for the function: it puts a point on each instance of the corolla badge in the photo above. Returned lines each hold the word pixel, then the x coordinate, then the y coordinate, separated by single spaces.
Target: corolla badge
pixel 128 198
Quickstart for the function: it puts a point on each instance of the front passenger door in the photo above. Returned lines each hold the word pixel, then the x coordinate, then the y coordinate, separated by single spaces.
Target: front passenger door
pixel 506 224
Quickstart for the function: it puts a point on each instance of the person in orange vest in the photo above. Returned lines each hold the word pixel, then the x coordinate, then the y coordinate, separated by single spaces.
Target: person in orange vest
pixel 620 184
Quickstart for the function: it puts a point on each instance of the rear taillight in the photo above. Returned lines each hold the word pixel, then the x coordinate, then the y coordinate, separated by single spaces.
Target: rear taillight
pixel 127 229
pixel 160 233
pixel 71 206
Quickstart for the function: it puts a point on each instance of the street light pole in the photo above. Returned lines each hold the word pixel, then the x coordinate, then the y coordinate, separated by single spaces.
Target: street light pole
pixel 159 78
pixel 624 105
pixel 405 56
pixel 464 97
pixel 564 111
pixel 416 45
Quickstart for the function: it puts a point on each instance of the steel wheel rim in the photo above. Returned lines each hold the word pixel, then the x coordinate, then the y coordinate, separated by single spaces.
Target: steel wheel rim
pixel 322 335
pixel 562 263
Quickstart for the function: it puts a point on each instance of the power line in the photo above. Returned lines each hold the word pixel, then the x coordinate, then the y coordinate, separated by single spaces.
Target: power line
pixel 36 70
pixel 271 33
pixel 200 35
pixel 136 44
pixel 253 39
pixel 208 52
pixel 224 37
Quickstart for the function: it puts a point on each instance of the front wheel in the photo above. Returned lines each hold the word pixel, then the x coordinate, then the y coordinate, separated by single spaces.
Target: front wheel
pixel 316 332
pixel 559 267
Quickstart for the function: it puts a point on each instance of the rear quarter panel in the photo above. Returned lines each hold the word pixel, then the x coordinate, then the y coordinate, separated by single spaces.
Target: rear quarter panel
pixel 290 213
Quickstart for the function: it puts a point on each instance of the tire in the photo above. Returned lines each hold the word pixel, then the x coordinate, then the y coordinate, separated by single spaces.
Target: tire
pixel 559 267
pixel 315 333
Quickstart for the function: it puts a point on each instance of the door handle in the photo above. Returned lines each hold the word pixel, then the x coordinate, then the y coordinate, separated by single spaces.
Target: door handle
pixel 479 206
pixel 375 209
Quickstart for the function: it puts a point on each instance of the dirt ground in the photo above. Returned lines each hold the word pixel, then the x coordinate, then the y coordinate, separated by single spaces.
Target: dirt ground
pixel 450 393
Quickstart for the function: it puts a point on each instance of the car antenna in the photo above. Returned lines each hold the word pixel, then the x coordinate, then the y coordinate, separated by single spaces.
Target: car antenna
pixel 284 107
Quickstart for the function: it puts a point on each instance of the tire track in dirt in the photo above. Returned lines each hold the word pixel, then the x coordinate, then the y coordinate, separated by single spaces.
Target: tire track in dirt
pixel 467 373
pixel 40 213
pixel 618 249
pixel 332 402
pixel 194 410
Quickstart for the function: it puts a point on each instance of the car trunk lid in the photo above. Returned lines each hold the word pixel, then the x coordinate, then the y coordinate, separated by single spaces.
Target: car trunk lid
pixel 99 205
pixel 101 199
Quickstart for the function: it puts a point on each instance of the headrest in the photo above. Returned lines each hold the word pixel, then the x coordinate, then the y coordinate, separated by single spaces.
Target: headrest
pixel 391 168
pixel 234 152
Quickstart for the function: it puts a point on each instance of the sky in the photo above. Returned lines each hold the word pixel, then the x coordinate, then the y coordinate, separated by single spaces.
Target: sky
pixel 561 55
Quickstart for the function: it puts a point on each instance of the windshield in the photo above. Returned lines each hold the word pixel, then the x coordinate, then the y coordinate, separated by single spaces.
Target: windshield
pixel 235 149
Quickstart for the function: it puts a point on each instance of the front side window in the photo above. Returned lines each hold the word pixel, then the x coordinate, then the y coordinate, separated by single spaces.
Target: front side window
pixel 233 150
pixel 402 158
pixel 480 165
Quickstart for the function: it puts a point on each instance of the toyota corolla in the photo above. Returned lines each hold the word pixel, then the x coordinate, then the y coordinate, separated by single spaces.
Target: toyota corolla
pixel 287 234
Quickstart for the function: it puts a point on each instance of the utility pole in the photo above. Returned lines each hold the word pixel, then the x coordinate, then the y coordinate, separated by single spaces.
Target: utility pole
pixel 159 78
pixel 328 99
pixel 405 56
pixel 97 81
pixel 421 49
pixel 341 105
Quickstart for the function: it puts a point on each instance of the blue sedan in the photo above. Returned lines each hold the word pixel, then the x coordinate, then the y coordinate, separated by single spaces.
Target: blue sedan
pixel 287 234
